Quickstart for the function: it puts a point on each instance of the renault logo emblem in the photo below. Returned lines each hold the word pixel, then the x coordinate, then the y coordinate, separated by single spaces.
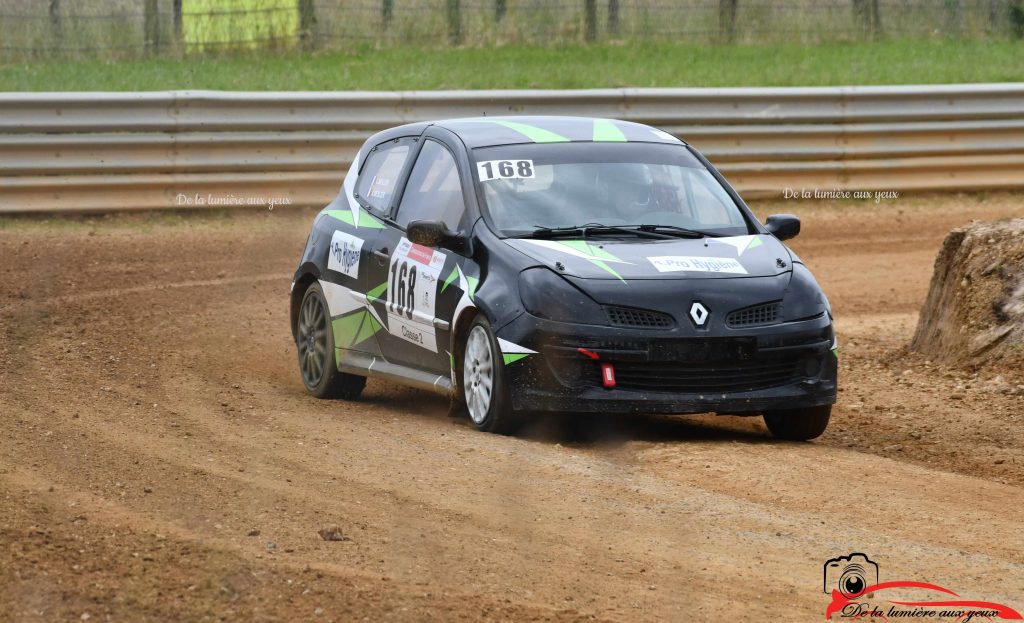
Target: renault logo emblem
pixel 699 314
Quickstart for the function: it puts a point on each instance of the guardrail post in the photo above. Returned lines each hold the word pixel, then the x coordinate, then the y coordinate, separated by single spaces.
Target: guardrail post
pixel 387 11
pixel 590 17
pixel 454 10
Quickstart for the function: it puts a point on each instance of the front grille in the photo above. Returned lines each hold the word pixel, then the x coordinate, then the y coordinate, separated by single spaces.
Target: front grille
pixel 708 378
pixel 703 366
pixel 632 318
pixel 755 316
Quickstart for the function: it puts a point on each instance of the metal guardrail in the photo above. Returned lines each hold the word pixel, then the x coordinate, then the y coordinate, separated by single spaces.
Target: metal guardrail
pixel 112 151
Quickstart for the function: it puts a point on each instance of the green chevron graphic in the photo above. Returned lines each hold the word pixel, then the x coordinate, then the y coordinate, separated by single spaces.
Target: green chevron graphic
pixel 354 328
pixel 535 134
pixel 365 220
pixel 377 293
pixel 452 276
pixel 597 255
pixel 606 131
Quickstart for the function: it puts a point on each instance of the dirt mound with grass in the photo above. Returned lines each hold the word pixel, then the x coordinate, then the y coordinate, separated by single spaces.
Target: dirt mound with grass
pixel 974 313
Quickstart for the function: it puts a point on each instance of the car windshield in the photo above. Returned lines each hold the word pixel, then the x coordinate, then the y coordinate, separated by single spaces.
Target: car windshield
pixel 529 189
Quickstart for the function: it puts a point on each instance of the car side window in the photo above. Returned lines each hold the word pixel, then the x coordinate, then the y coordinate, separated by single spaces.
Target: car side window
pixel 434 190
pixel 377 181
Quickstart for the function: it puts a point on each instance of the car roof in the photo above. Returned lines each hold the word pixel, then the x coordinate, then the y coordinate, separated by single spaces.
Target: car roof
pixel 514 130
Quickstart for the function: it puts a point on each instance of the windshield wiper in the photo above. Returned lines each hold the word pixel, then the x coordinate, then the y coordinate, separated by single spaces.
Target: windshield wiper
pixel 590 229
pixel 682 232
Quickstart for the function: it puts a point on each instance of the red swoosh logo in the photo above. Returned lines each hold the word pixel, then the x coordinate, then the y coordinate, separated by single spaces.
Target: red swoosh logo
pixel 840 601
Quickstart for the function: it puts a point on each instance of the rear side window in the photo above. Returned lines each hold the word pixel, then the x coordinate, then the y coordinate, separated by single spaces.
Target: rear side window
pixel 376 185
pixel 434 191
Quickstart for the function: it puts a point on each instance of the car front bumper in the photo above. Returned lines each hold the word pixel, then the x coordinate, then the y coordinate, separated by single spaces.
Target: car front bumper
pixel 782 366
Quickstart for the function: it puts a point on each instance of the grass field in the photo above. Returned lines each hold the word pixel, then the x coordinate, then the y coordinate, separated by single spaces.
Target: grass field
pixel 576 66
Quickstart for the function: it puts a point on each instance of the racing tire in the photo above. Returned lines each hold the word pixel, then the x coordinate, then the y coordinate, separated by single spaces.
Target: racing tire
pixel 483 383
pixel 314 340
pixel 798 424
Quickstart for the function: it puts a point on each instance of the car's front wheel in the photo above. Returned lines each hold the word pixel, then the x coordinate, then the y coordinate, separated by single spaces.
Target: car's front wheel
pixel 315 342
pixel 798 424
pixel 483 381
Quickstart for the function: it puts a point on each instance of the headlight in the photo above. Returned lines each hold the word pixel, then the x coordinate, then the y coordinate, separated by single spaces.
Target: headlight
pixel 804 297
pixel 547 295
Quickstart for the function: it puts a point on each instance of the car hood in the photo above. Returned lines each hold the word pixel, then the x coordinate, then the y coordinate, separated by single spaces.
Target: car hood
pixel 758 255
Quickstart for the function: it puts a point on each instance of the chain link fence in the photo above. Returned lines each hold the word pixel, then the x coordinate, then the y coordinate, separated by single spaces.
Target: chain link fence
pixel 44 29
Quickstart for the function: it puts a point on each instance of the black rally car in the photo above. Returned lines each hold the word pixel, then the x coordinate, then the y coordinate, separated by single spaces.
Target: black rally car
pixel 527 264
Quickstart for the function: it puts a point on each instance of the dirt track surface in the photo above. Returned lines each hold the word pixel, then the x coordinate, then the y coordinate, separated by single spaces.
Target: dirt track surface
pixel 159 459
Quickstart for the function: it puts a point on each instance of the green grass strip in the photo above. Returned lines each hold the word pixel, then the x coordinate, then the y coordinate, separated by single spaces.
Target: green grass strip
pixel 571 66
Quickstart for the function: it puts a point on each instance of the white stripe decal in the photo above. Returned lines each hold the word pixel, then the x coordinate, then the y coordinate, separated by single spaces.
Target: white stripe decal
pixel 510 348
pixel 340 300
pixel 561 248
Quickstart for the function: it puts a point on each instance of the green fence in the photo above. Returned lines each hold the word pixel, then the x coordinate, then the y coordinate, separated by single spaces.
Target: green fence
pixel 207 24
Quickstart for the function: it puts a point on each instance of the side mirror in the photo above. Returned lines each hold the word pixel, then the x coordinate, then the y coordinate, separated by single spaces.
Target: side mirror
pixel 433 234
pixel 783 226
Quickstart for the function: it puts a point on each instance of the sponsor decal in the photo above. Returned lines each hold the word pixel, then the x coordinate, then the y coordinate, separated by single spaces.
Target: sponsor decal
pixel 420 253
pixel 344 254
pixel 379 187
pixel 686 263
pixel 504 170
pixel 853 582
pixel 415 337
pixel 412 291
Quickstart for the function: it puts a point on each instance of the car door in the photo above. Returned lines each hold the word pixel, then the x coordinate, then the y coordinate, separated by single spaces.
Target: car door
pixel 356 229
pixel 412 283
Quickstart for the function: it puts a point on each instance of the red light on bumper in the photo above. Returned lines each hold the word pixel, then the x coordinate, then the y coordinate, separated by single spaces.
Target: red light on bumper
pixel 607 375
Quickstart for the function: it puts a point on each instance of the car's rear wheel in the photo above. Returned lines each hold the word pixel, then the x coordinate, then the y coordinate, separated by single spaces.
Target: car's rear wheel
pixel 798 424
pixel 315 342
pixel 483 381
